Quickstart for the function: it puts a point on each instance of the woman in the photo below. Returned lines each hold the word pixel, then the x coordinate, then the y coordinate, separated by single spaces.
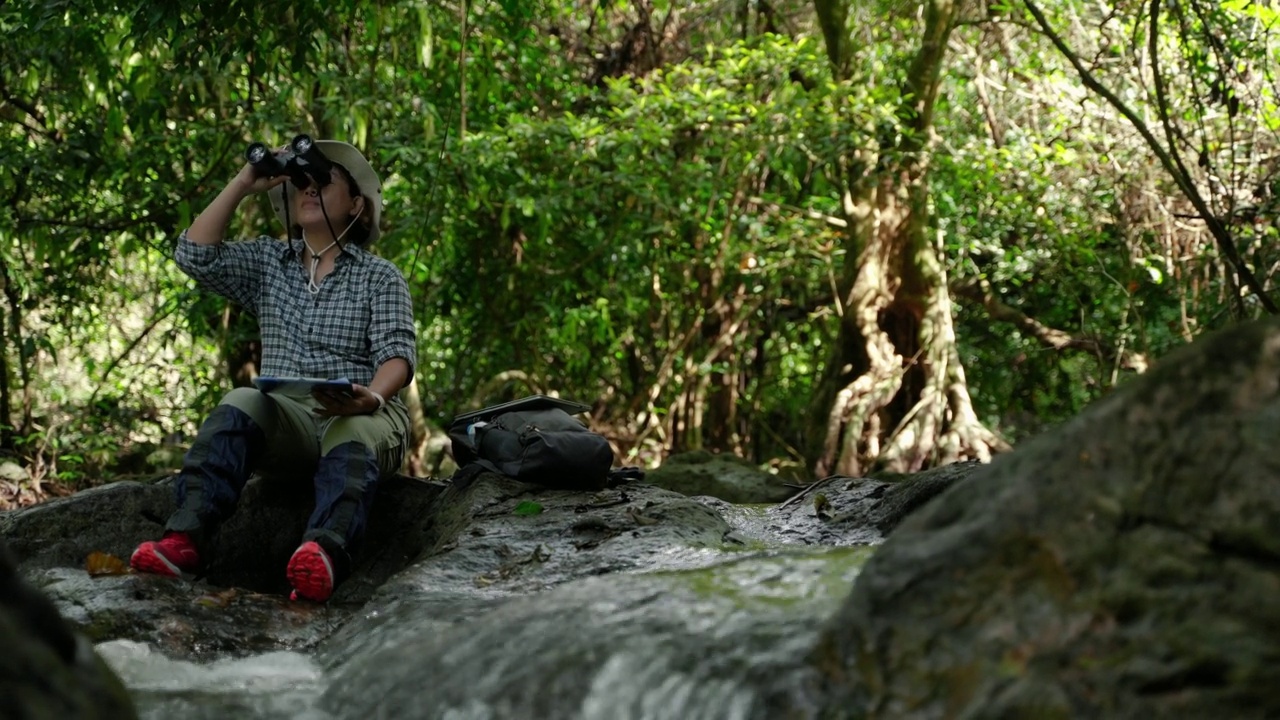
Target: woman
pixel 326 308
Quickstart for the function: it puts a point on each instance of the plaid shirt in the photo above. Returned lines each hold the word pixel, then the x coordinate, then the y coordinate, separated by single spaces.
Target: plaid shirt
pixel 361 318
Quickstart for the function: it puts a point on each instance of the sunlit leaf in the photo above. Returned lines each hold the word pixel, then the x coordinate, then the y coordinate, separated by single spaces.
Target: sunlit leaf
pixel 528 507
pixel 98 564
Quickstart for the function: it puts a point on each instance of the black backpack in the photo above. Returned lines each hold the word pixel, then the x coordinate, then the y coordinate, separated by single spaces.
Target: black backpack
pixel 533 440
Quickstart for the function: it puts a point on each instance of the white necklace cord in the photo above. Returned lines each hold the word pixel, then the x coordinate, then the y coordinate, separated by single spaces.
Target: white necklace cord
pixel 313 286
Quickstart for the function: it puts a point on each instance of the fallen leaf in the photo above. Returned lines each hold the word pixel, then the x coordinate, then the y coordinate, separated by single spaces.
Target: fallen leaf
pixel 100 563
pixel 217 599
pixel 821 506
pixel 640 518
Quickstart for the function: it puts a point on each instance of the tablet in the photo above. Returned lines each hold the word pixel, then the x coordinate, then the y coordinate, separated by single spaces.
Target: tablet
pixel 532 402
pixel 298 385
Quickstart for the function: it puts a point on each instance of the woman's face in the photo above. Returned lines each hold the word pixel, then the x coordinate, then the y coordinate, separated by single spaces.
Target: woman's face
pixel 312 205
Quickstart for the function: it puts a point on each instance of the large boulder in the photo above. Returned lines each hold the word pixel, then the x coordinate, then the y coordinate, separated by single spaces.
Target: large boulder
pixel 478 597
pixel 842 510
pixel 719 475
pixel 1126 565
pixel 252 547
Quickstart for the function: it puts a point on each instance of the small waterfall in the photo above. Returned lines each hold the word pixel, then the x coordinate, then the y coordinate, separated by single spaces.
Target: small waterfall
pixel 272 686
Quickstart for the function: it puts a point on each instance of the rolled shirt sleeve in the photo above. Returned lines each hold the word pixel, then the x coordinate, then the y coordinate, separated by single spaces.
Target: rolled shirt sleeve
pixel 233 270
pixel 391 329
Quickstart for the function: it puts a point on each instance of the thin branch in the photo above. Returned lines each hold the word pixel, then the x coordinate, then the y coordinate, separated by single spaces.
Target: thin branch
pixel 160 317
pixel 78 225
pixel 1049 337
pixel 26 107
pixel 1228 94
pixel 775 208
pixel 1162 107
pixel 462 68
pixel 988 112
pixel 1219 231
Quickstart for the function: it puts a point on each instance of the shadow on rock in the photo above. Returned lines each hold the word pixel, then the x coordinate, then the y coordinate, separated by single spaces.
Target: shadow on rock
pixel 1123 566
pixel 47 670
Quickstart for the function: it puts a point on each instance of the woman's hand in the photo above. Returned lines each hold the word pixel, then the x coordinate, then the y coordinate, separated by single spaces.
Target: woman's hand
pixel 249 182
pixel 210 226
pixel 334 402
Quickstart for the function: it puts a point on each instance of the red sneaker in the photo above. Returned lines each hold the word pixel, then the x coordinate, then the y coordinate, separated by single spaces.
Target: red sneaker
pixel 173 554
pixel 310 573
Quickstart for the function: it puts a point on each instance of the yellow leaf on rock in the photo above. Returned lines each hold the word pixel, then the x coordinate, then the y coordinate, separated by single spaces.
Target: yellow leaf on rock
pixel 217 599
pixel 100 563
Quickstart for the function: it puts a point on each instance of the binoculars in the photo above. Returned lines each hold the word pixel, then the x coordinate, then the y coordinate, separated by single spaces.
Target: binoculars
pixel 302 161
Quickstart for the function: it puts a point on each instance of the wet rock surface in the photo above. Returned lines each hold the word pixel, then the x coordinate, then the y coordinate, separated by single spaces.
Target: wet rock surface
pixel 723 641
pixel 486 559
pixel 854 511
pixel 720 475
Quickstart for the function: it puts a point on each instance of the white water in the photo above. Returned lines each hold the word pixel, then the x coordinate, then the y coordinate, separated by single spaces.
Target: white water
pixel 278 685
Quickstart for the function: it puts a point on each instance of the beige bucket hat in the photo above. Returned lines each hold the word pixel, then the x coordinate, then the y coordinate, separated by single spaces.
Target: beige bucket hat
pixel 346 155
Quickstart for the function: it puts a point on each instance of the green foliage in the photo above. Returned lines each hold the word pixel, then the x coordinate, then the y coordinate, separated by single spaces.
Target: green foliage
pixel 595 252
pixel 1046 242
pixel 1054 200
pixel 641 215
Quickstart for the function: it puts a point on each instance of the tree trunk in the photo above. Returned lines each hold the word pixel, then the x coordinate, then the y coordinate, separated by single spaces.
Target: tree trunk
pixel 419 433
pixel 893 393
pixel 6 392
pixel 25 355
pixel 240 345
